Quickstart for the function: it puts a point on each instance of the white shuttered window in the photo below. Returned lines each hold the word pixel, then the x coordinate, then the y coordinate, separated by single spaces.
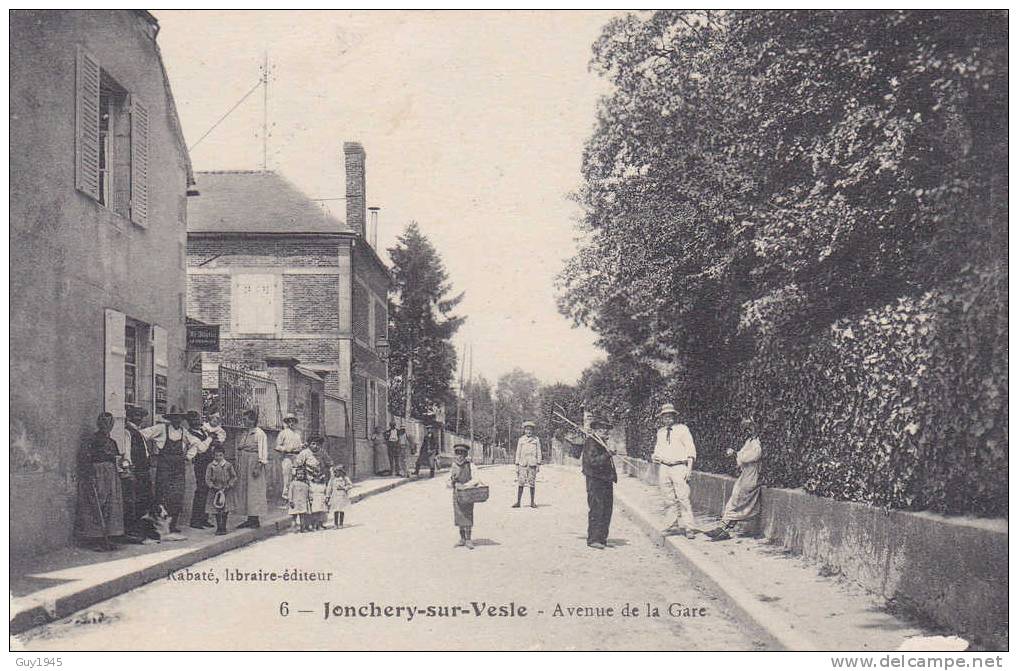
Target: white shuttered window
pixel 255 304
pixel 112 154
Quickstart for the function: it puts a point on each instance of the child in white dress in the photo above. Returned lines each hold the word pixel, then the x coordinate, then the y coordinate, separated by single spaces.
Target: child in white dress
pixel 337 495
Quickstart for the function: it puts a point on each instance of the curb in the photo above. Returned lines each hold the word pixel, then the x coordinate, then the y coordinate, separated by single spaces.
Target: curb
pixel 57 609
pixel 737 598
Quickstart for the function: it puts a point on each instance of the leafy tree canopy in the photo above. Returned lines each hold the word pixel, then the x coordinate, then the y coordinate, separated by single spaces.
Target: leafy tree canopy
pixel 758 174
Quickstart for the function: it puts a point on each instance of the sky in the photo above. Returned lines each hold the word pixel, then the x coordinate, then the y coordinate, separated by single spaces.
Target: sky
pixel 473 123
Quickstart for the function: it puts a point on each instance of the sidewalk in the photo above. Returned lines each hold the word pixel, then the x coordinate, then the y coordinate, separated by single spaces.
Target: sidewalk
pixel 54 585
pixel 801 605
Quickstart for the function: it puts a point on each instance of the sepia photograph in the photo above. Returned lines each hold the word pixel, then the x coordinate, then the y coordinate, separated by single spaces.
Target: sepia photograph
pixel 673 330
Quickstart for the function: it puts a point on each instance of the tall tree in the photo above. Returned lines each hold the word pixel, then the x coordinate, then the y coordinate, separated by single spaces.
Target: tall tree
pixel 421 325
pixel 757 174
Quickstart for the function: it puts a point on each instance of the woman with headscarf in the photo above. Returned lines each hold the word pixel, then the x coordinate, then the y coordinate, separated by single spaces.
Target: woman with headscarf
pixel 744 503
pixel 100 507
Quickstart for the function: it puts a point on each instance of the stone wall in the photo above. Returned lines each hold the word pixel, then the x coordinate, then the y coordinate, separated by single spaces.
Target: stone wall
pixel 952 571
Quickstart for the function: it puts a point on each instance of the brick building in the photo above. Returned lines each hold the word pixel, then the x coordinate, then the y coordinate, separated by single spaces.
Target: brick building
pixel 99 175
pixel 286 281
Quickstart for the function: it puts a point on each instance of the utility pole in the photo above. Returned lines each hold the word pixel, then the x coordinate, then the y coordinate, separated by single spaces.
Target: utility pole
pixel 494 424
pixel 265 111
pixel 470 400
pixel 460 392
pixel 408 387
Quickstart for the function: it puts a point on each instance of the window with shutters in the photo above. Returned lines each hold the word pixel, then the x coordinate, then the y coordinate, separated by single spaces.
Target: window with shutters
pixel 111 143
pixel 360 405
pixel 381 319
pixel 255 304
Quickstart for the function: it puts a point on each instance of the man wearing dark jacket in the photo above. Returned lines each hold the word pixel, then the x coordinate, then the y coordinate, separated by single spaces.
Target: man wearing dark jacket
pixel 599 469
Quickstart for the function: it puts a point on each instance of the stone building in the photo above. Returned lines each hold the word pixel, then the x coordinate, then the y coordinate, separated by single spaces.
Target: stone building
pixel 99 176
pixel 288 282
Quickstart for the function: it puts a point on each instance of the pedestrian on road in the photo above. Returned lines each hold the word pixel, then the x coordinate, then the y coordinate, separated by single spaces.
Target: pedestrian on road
pixel 381 453
pixel 675 453
pixel 289 444
pixel 461 476
pixel 337 495
pixel 599 469
pixel 528 461
pixel 100 505
pixel 208 440
pixel 392 444
pixel 744 502
pixel 220 479
pixel 429 448
pixel 252 458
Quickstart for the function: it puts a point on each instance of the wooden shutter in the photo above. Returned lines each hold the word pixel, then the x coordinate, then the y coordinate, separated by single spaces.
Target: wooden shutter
pixel 139 162
pixel 86 140
pixel 113 377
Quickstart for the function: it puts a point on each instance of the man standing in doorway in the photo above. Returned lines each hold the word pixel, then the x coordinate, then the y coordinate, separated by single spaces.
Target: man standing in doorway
pixel 675 454
pixel 140 468
pixel 289 444
pixel 252 457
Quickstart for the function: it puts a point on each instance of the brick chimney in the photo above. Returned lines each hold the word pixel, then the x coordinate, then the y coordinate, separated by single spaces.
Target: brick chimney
pixel 356 210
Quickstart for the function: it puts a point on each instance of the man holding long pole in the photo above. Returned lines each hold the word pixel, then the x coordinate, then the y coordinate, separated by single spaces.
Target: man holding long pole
pixel 599 470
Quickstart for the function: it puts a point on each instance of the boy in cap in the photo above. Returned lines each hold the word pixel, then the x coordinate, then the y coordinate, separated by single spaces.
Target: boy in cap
pixel 460 474
pixel 528 461
pixel 220 478
pixel 675 454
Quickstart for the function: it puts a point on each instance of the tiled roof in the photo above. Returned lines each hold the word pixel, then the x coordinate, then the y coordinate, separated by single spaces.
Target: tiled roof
pixel 254 201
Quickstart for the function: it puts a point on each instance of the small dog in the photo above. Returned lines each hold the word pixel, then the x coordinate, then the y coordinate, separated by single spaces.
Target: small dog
pixel 155 525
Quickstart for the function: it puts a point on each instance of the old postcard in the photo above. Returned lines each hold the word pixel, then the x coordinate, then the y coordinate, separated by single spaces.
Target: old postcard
pixel 672 330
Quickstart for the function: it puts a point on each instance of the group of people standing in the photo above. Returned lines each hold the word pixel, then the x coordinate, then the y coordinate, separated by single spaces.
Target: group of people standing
pixel 675 456
pixel 119 490
pixel 393 449
pixel 313 486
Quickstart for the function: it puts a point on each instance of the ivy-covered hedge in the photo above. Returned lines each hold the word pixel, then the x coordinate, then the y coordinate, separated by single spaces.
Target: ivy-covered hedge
pixel 904 406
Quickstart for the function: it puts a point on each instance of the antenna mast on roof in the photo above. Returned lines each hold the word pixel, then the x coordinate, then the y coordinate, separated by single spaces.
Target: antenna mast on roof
pixel 265 111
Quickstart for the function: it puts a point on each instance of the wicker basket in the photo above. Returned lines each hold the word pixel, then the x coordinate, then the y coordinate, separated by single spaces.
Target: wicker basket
pixel 472 494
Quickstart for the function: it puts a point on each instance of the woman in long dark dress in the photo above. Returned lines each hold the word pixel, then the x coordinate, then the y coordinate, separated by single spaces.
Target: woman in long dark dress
pixel 100 508
pixel 462 513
